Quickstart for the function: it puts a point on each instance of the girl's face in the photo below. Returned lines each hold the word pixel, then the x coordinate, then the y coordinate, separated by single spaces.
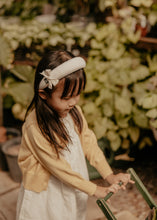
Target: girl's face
pixel 62 105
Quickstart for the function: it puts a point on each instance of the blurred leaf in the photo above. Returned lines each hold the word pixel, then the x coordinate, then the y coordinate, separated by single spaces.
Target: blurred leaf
pixel 114 51
pixel 152 113
pixel 134 133
pixel 146 141
pixel 153 123
pixel 114 139
pixel 152 63
pixel 123 133
pixel 152 18
pixel 123 104
pixel 91 108
pixel 96 44
pixel 21 92
pixel 139 73
pixel 6 55
pixel 92 86
pixel 107 110
pixel 100 127
pixel 19 111
pixel 111 125
pixel 139 91
pixel 24 72
pixel 149 101
pixel 140 118
pixel 122 122
pixel 56 40
pixel 105 95
pixel 138 3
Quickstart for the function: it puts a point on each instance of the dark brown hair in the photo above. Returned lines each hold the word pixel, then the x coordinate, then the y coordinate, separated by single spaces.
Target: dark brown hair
pixel 48 119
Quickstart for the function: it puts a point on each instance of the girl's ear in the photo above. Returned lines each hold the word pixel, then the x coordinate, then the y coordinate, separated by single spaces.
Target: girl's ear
pixel 42 94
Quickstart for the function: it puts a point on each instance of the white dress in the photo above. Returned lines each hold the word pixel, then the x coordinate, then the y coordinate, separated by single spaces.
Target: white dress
pixel 59 201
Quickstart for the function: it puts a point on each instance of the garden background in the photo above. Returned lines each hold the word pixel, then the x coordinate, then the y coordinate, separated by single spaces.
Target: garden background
pixel 118 39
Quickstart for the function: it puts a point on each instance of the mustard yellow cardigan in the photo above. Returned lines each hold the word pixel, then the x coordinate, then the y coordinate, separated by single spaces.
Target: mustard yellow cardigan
pixel 38 160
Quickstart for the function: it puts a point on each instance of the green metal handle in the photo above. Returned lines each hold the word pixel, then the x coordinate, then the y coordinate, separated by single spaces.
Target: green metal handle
pixel 104 207
pixel 141 188
pixel 111 193
pixel 139 185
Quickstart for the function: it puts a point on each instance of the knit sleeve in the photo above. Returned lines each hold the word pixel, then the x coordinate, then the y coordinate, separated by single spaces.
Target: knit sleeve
pixel 92 151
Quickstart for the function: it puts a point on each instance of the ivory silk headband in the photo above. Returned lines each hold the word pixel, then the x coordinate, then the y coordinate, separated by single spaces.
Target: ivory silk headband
pixel 52 77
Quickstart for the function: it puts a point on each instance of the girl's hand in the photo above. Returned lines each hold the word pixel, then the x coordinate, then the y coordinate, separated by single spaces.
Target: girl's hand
pixel 101 192
pixel 121 177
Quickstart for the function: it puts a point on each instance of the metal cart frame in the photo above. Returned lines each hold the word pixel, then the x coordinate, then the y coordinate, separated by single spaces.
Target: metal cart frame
pixel 141 188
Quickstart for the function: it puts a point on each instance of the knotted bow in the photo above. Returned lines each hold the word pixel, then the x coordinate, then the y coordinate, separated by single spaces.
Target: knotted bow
pixel 48 79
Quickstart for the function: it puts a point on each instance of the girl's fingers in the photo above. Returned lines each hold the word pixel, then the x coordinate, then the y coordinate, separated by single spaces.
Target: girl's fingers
pixel 114 188
pixel 125 179
pixel 131 181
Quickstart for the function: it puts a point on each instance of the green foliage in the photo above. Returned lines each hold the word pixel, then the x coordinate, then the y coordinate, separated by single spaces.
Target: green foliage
pixel 26 9
pixel 20 90
pixel 121 87
pixel 6 55
pixel 121 91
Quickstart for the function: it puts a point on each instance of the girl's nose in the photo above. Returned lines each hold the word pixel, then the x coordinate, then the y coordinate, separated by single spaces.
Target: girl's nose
pixel 73 101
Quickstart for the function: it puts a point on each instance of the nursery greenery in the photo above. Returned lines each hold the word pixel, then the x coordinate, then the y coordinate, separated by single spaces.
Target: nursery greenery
pixel 121 91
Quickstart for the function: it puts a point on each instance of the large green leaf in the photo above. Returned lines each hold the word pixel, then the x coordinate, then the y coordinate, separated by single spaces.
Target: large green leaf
pixel 24 72
pixel 107 109
pixel 96 44
pixel 134 133
pixel 105 95
pixel 139 91
pixel 153 123
pixel 149 101
pixel 127 76
pixel 122 122
pixel 140 117
pixel 114 139
pixel 6 55
pixel 100 127
pixel 90 108
pixel 152 113
pixel 139 73
pixel 21 92
pixel 123 132
pixel 138 3
pixel 123 104
pixel 114 51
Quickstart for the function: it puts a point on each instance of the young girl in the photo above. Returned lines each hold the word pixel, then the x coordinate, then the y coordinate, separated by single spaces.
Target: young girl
pixel 55 142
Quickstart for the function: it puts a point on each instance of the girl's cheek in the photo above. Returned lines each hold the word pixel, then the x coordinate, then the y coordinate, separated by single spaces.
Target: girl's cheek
pixel 78 98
